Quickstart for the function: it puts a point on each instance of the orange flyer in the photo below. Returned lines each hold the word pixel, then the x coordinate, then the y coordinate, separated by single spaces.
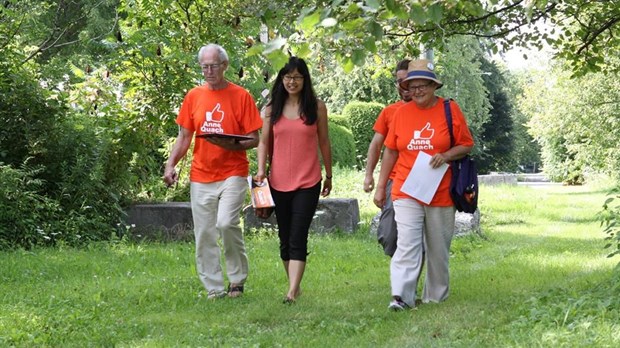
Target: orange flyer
pixel 260 194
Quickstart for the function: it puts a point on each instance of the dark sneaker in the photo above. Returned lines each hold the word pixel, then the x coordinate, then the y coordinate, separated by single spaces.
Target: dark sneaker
pixel 398 305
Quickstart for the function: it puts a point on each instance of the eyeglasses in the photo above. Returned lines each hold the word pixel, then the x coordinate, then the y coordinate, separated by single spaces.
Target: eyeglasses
pixel 288 78
pixel 421 88
pixel 211 67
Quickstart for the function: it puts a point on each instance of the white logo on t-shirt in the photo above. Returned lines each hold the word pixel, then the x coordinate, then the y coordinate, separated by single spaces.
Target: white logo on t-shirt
pixel 213 121
pixel 422 138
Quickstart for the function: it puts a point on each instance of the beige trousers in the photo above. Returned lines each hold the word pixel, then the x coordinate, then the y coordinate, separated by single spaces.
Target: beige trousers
pixel 216 209
pixel 422 228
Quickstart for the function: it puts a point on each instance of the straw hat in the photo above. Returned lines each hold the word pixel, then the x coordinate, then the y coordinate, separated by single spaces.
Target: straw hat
pixel 420 69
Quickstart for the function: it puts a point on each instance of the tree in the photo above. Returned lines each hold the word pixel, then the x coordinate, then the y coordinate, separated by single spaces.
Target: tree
pixel 370 83
pixel 575 120
pixel 44 29
pixel 526 150
pixel 459 68
pixel 583 32
pixel 497 136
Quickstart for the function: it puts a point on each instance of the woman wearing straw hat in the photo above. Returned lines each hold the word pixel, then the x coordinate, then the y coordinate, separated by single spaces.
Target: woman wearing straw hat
pixel 423 224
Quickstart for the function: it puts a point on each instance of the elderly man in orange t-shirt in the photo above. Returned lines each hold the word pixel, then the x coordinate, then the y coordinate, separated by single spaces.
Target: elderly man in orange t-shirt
pixel 386 231
pixel 219 169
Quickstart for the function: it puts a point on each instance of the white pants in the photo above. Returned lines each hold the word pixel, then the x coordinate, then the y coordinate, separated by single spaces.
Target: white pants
pixel 422 228
pixel 216 208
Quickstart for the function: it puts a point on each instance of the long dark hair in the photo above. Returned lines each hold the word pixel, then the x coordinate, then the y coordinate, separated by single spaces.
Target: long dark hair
pixel 308 107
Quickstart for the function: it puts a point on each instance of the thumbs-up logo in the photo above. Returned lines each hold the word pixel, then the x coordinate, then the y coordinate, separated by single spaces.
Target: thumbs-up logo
pixel 424 133
pixel 215 115
pixel 421 140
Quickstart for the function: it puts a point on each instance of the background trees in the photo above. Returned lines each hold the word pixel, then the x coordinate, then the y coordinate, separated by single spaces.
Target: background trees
pixel 575 120
pixel 90 88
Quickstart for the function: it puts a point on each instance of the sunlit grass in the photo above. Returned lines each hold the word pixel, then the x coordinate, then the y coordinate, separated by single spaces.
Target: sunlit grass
pixel 537 277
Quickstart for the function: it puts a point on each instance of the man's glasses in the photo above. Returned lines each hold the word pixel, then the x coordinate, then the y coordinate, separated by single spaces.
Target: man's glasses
pixel 288 78
pixel 211 67
pixel 420 88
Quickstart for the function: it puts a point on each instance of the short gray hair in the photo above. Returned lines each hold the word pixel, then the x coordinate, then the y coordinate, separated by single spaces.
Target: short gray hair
pixel 220 50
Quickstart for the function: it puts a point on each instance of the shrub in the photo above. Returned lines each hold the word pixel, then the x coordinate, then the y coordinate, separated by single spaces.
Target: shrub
pixel 362 116
pixel 339 120
pixel 343 146
pixel 610 220
pixel 26 216
pixel 66 166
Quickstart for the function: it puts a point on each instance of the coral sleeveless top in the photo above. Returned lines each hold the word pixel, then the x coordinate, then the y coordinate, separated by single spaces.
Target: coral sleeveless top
pixel 295 163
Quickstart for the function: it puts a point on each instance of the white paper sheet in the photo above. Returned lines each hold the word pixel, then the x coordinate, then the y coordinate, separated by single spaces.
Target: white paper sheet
pixel 423 180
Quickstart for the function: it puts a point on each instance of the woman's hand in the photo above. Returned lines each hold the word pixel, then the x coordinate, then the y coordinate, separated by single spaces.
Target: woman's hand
pixel 259 177
pixel 438 159
pixel 263 213
pixel 327 187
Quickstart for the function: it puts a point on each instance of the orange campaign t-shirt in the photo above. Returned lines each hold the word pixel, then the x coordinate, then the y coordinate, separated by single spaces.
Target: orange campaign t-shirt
pixel 230 110
pixel 414 130
pixel 382 124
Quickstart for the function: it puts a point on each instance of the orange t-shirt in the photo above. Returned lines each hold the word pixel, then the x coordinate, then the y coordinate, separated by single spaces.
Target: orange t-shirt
pixel 229 110
pixel 295 163
pixel 414 130
pixel 382 124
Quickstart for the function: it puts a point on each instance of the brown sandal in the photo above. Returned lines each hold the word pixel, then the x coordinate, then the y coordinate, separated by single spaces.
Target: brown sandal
pixel 235 290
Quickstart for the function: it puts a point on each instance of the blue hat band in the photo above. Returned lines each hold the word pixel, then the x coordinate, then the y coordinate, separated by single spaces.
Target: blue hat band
pixel 421 73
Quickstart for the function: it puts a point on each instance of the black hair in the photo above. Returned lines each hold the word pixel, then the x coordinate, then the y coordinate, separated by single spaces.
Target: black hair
pixel 308 107
pixel 402 65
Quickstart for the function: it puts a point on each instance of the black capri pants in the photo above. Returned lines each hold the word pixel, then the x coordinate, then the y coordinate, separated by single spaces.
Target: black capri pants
pixel 294 212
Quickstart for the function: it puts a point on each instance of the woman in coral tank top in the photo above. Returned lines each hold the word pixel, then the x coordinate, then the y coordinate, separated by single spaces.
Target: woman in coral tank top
pixel 294 132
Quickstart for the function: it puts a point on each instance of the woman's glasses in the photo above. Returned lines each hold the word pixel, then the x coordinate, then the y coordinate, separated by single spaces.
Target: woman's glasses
pixel 421 88
pixel 289 78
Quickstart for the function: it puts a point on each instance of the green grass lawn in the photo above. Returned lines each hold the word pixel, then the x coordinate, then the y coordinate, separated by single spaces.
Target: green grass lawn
pixel 538 277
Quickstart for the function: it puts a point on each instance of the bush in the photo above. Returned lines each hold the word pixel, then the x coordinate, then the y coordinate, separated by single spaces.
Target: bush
pixel 362 117
pixel 610 220
pixel 70 185
pixel 343 146
pixel 26 216
pixel 339 120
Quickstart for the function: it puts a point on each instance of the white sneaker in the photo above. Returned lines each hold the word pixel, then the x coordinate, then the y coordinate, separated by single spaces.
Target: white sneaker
pixel 215 294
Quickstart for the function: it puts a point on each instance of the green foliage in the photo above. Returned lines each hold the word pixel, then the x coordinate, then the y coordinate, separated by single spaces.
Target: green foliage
pixel 372 83
pixel 575 120
pixel 339 120
pixel 459 68
pixel 27 216
pixel 343 146
pixel 526 151
pixel 610 220
pixel 71 157
pixel 26 115
pixel 497 136
pixel 362 117
pixel 582 31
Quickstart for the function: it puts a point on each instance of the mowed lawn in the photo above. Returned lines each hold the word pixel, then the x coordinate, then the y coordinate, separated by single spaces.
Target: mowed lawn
pixel 537 277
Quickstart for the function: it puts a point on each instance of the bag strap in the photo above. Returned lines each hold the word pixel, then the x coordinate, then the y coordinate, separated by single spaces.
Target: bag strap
pixel 448 112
